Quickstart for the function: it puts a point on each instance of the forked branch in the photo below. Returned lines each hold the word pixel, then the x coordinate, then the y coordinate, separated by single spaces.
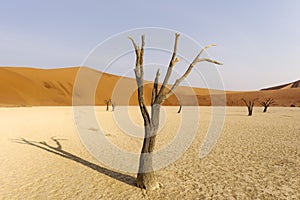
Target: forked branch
pixel 250 103
pixel 267 102
pixel 244 100
pixel 137 53
pixel 187 72
pixel 139 75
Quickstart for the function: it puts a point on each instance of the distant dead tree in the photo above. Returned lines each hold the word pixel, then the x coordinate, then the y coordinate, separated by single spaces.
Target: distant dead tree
pixel 249 104
pixel 180 107
pixel 266 103
pixel 113 106
pixel 146 178
pixel 107 102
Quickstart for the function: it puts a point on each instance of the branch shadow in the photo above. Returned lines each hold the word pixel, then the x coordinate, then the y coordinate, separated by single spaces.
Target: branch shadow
pixel 60 152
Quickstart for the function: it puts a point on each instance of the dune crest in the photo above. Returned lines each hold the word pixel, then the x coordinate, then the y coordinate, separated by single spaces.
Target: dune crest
pixel 21 86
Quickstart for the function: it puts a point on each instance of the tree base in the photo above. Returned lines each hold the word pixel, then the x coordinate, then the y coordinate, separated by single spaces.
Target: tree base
pixel 147 181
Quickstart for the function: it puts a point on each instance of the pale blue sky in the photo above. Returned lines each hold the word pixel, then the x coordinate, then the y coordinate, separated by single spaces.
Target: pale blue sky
pixel 258 41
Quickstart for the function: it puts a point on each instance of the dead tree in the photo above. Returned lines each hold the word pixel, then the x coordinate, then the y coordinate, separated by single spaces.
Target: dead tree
pixel 107 102
pixel 266 103
pixel 249 105
pixel 146 177
pixel 113 106
pixel 180 107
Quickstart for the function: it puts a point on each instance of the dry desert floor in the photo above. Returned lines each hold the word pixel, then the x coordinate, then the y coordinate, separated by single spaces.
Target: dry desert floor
pixel 257 157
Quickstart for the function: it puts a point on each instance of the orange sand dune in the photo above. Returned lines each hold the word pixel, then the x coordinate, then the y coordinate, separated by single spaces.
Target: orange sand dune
pixel 282 97
pixel 54 87
pixel 36 87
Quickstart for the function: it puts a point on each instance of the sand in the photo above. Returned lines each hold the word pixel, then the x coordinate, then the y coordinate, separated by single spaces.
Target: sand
pixel 256 157
pixel 21 86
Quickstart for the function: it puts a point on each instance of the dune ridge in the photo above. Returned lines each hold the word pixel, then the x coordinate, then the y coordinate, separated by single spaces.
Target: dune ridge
pixel 295 84
pixel 21 86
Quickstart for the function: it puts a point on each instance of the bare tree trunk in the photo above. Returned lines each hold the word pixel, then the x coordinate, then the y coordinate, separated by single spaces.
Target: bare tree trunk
pixel 180 107
pixel 146 178
pixel 265 108
pixel 266 103
pixel 250 109
pixel 249 105
pixel 107 102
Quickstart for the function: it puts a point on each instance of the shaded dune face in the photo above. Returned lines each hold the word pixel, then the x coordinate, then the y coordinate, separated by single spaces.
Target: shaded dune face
pixel 36 87
pixel 295 84
pixel 54 87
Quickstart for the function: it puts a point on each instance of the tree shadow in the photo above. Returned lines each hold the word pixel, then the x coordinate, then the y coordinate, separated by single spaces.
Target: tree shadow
pixel 60 152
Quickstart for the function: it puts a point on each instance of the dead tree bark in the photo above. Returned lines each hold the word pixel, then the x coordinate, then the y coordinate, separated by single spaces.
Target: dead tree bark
pixel 180 107
pixel 146 177
pixel 250 105
pixel 267 103
pixel 107 102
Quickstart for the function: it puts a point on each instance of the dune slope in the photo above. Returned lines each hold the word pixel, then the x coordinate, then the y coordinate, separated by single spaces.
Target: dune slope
pixel 54 87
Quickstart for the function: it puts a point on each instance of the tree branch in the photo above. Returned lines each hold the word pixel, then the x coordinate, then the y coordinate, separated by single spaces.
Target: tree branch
pixel 250 103
pixel 187 72
pixel 139 76
pixel 155 87
pixel 205 48
pixel 245 102
pixel 173 61
pixel 209 60
pixel 267 102
pixel 137 53
pixel 271 101
pixel 142 55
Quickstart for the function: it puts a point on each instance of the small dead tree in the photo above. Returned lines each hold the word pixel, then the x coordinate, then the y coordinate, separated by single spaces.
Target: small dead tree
pixel 107 102
pixel 266 103
pixel 113 106
pixel 180 107
pixel 146 177
pixel 249 105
